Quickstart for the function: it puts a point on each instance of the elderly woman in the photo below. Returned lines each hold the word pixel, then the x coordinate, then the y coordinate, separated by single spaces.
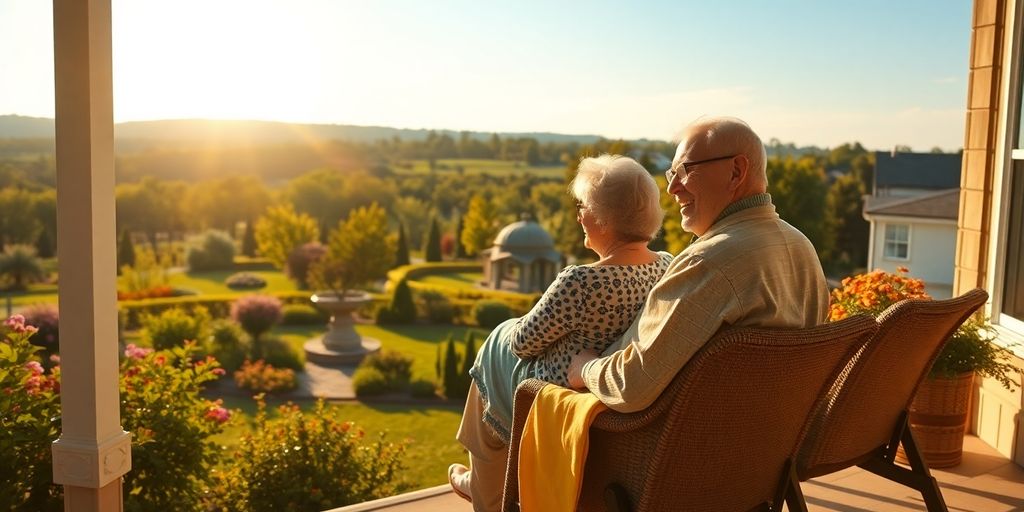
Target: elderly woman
pixel 586 307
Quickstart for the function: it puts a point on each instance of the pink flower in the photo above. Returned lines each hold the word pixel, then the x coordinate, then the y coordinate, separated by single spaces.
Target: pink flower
pixel 134 352
pixel 218 414
pixel 16 323
pixel 34 367
pixel 218 371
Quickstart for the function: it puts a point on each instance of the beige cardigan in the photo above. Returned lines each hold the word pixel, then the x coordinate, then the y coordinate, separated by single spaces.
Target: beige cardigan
pixel 750 268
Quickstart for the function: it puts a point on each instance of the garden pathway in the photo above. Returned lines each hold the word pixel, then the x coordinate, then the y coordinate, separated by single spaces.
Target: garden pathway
pixel 328 382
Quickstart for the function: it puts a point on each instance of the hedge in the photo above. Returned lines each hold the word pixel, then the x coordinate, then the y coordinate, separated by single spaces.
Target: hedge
pixel 219 305
pixel 462 299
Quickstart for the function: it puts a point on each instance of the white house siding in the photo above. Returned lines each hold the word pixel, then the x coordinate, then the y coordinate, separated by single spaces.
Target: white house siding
pixel 931 253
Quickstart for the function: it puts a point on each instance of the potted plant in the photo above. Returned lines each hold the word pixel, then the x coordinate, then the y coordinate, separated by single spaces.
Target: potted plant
pixel 938 414
pixel 358 253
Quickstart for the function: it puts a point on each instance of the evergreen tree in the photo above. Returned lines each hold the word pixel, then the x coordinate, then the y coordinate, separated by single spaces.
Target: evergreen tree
pixel 432 249
pixel 403 309
pixel 44 244
pixel 470 359
pixel 460 249
pixel 847 232
pixel 450 375
pixel 437 363
pixel 402 256
pixel 125 251
pixel 249 239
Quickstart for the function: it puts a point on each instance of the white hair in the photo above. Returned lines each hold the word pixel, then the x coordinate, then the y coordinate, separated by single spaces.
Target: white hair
pixel 732 135
pixel 621 195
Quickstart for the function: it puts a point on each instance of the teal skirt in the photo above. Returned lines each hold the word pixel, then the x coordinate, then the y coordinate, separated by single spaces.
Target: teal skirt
pixel 497 372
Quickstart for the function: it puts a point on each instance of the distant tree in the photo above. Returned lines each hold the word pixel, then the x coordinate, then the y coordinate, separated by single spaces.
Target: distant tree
pixel 44 244
pixel 15 226
pixel 937 150
pixel 450 369
pixel 846 230
pixel 280 230
pixel 676 239
pixel 125 251
pixel 358 251
pixel 432 248
pixel 411 211
pixel 301 259
pixel 221 203
pixel 479 228
pixel 402 253
pixel 798 190
pixel 401 309
pixel 20 266
pixel 151 206
pixel 460 248
pixel 470 359
pixel 249 239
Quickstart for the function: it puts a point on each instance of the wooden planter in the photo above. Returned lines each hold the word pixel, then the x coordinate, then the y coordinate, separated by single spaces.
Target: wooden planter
pixel 938 418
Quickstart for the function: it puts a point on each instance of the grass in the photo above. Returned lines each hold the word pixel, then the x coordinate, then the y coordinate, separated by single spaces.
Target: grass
pixel 430 430
pixel 483 166
pixel 36 294
pixel 417 341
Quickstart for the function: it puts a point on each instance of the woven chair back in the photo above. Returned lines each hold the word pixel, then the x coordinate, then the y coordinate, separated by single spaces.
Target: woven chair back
pixel 720 434
pixel 866 402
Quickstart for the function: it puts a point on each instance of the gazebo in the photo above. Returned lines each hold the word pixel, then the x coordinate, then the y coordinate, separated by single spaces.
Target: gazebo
pixel 523 258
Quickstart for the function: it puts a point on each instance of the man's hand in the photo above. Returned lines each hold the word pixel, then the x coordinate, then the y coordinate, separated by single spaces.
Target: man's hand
pixel 576 368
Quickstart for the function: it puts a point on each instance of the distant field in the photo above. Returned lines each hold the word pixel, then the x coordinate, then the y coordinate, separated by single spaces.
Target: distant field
pixel 493 167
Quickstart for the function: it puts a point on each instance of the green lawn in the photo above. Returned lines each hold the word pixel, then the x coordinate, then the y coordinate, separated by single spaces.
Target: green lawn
pixel 36 293
pixel 430 430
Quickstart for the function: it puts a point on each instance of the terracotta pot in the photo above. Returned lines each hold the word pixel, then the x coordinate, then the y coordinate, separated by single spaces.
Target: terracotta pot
pixel 938 419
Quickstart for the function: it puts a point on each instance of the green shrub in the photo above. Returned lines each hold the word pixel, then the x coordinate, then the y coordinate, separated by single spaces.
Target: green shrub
pixel 302 314
pixel 436 307
pixel 213 250
pixel 280 354
pixel 422 388
pixel 29 422
pixel 370 381
pixel 227 344
pixel 245 281
pixel 20 266
pixel 172 427
pixel 306 461
pixel 489 313
pixel 299 261
pixel 260 377
pixel 174 326
pixel 395 366
pixel 217 305
pixel 256 314
pixel 401 310
pixel 453 367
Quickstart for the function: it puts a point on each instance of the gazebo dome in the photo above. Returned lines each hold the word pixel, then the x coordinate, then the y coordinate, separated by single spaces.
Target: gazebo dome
pixel 524 241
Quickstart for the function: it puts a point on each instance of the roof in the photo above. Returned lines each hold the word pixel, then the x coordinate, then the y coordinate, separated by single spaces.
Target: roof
pixel 524 241
pixel 944 204
pixel 937 171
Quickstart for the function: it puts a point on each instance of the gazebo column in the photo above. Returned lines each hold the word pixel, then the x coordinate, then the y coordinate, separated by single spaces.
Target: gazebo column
pixel 93 451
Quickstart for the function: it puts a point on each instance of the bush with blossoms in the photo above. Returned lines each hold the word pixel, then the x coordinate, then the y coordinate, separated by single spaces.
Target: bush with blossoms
pixel 873 292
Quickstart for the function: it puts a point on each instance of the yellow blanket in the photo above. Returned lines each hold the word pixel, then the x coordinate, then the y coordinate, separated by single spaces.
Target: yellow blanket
pixel 553 449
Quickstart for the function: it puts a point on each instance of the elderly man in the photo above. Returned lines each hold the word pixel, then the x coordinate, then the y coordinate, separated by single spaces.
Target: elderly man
pixel 747 268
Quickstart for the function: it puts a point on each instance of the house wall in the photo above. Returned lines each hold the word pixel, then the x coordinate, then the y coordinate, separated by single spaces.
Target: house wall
pixel 932 252
pixel 996 412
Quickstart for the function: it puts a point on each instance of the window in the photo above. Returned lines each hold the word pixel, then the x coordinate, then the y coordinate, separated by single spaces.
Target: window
pixel 897 241
pixel 1013 280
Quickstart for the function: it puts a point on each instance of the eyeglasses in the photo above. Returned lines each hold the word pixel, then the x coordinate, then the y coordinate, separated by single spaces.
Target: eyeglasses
pixel 579 206
pixel 671 173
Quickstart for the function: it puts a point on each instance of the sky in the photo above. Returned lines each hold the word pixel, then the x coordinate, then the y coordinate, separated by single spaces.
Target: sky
pixel 809 72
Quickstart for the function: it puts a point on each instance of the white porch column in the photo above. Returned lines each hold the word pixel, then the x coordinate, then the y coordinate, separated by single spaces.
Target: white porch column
pixel 93 451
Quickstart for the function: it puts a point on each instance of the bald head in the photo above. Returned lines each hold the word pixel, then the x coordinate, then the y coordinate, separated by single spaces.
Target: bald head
pixel 730 136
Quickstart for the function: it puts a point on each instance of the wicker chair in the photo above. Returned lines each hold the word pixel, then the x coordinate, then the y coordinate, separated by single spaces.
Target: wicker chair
pixel 865 417
pixel 723 433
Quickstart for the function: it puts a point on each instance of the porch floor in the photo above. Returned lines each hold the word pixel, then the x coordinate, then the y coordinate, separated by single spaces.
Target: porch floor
pixel 985 482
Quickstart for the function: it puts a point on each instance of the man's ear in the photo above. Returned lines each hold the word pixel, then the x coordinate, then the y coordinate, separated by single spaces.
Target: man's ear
pixel 740 171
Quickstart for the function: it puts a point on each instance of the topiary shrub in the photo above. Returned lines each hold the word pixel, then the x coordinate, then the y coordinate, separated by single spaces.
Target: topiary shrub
pixel 280 354
pixel 227 344
pixel 245 281
pixel 489 313
pixel 306 461
pixel 301 259
pixel 369 381
pixel 175 326
pixel 45 318
pixel 401 310
pixel 256 314
pixel 302 314
pixel 213 250
pixel 261 377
